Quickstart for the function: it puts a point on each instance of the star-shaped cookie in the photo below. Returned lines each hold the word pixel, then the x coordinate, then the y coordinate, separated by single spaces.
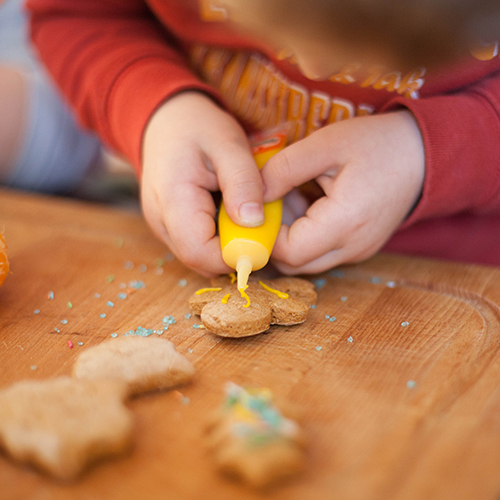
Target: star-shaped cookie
pixel 61 425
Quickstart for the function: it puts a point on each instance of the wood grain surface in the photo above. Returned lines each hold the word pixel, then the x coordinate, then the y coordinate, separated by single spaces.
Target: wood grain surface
pixel 399 395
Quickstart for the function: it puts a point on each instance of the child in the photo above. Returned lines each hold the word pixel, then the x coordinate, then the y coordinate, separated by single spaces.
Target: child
pixel 177 87
pixel 41 146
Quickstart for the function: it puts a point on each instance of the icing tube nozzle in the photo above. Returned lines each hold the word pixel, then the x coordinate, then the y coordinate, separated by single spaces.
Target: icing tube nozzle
pixel 244 267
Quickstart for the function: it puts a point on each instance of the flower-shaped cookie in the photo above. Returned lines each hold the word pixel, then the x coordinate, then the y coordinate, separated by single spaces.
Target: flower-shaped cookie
pixel 226 312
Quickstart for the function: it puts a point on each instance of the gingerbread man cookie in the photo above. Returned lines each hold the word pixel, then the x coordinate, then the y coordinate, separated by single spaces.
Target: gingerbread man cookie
pixel 61 425
pixel 228 312
pixel 251 439
pixel 145 364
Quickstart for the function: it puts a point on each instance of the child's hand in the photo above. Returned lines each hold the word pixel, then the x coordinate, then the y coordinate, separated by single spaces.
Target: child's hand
pixel 371 170
pixel 192 147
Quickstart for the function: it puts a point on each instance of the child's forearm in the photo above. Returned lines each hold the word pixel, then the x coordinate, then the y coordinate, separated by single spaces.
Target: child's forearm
pixel 113 62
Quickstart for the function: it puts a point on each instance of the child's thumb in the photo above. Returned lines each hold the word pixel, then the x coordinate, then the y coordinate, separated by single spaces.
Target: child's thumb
pixel 241 185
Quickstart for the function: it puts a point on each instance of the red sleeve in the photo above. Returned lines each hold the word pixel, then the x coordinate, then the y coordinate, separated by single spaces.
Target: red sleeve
pixel 461 133
pixel 114 62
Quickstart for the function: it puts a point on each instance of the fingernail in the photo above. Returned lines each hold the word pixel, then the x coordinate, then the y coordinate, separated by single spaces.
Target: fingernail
pixel 252 214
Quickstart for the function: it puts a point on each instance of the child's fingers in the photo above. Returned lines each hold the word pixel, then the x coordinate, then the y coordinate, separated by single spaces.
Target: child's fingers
pixel 240 182
pixel 189 219
pixel 300 162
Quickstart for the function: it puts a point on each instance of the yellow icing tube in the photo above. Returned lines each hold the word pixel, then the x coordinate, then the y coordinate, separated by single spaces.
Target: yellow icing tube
pixel 248 249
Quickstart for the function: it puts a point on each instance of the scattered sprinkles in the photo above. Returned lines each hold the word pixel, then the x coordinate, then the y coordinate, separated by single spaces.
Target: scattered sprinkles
pixel 159 262
pixel 196 325
pixel 141 332
pixel 332 319
pixel 343 299
pixel 405 323
pixel 102 315
pixel 64 321
pixel 70 344
pixel 57 330
pixel 190 351
pixel 137 284
pixel 411 384
pixel 159 332
pixel 327 316
pixel 182 283
pixel 319 283
pixel 114 335
pixel 123 285
pixel 129 265
pixel 80 343
pixel 391 284
pixel 187 316
pixel 169 320
pixel 97 295
pixel 110 278
pixel 50 295
pixel 143 268
pixel 318 348
pixel 111 304
pixel 376 280
pixel 34 367
pixel 70 305
pixel 159 271
pixel 350 339
pixel 122 296
pixel 36 311
pixel 313 306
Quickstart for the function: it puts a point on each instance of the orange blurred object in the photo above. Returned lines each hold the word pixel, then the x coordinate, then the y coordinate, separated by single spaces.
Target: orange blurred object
pixel 4 260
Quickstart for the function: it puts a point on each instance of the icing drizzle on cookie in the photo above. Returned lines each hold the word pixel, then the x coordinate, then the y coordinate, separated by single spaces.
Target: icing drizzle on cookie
pixel 233 277
pixel 281 295
pixel 245 296
pixel 225 298
pixel 204 290
pixel 254 416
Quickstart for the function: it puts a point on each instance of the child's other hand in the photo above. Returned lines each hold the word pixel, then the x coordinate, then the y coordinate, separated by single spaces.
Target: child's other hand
pixel 191 148
pixel 371 170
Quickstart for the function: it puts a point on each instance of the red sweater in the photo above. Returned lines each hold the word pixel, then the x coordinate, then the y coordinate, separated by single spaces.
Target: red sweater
pixel 118 60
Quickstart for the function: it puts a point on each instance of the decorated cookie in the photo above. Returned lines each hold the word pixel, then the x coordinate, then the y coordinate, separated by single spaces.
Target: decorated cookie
pixel 145 364
pixel 228 312
pixel 61 425
pixel 252 440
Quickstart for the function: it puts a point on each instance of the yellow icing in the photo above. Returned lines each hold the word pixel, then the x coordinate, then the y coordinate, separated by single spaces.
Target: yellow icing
pixel 233 277
pixel 225 298
pixel 281 295
pixel 245 296
pixel 203 290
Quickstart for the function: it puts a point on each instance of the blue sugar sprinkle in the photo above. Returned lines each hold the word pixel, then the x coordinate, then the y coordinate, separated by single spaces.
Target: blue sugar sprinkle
pixel 80 343
pixel 114 335
pixel 103 315
pixel 327 316
pixel 405 323
pixel 190 351
pixel 196 325
pixel 318 348
pixel 51 295
pixel 350 339
pixel 391 284
pixel 333 318
pixel 313 306
pixel 182 283
pixel 376 280
pixel 64 321
pixel 143 268
pixel 319 283
pixel 57 330
pixel 411 384
pixel 36 311
pixel 33 367
pixel 159 332
pixel 110 304
pixel 169 320
pixel 122 296
pixel 129 265
pixel 187 316
pixel 123 285
pixel 343 299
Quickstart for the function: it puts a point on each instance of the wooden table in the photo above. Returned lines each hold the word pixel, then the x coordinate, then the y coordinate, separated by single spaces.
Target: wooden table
pixel 399 396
